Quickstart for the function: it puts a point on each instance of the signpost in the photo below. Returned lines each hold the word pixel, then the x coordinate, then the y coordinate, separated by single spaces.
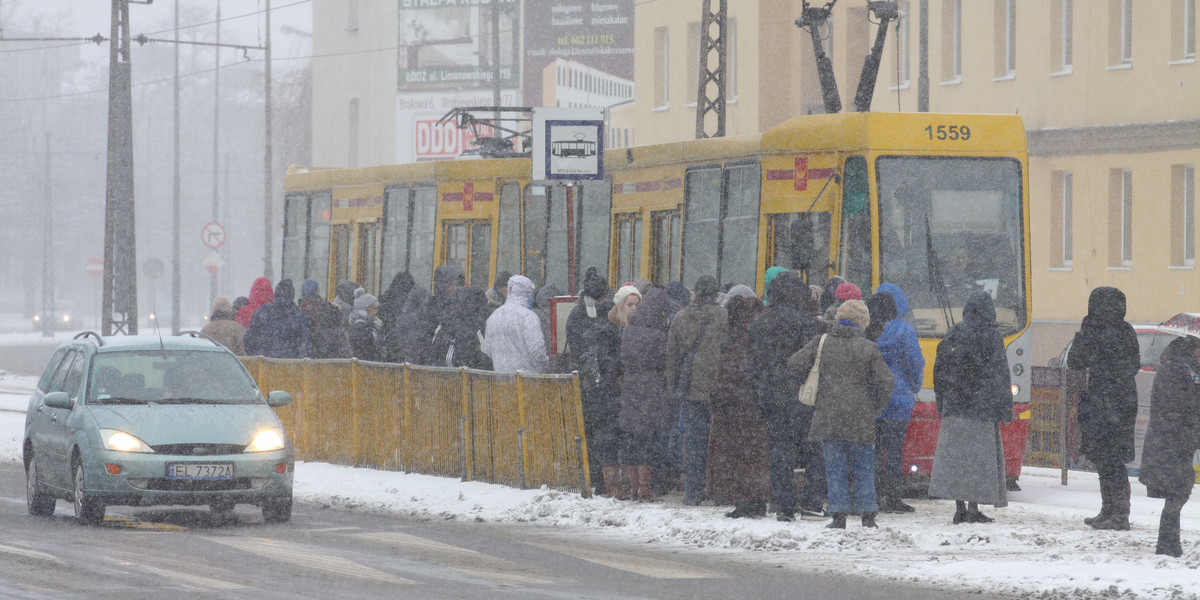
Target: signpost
pixel 95 268
pixel 212 235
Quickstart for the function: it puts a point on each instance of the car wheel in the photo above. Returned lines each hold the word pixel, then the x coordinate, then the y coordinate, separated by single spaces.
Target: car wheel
pixel 277 511
pixel 87 510
pixel 39 502
pixel 221 507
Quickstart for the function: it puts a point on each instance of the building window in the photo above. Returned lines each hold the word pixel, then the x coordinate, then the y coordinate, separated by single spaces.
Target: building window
pixel 1062 219
pixel 661 72
pixel 693 62
pixel 731 54
pixel 352 133
pixel 1006 37
pixel 1183 30
pixel 1062 35
pixel 903 43
pixel 1183 215
pixel 351 15
pixel 1120 217
pixel 1120 32
pixel 952 41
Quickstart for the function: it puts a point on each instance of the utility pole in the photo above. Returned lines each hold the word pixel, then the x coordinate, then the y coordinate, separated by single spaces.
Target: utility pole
pixel 48 316
pixel 496 133
pixel 176 269
pixel 212 283
pixel 923 60
pixel 120 247
pixel 711 98
pixel 269 170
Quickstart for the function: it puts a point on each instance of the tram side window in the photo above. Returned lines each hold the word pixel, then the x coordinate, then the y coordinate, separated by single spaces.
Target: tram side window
pixel 856 224
pixel 368 256
pixel 792 234
pixel 481 254
pixel 395 231
pixel 739 227
pixel 424 228
pixel 594 207
pixel 556 240
pixel 628 228
pixel 701 226
pixel 340 240
pixel 665 243
pixel 319 231
pixel 535 233
pixel 508 246
pixel 295 232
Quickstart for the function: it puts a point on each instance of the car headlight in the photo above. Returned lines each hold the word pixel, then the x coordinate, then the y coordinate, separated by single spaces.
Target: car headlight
pixel 267 440
pixel 123 442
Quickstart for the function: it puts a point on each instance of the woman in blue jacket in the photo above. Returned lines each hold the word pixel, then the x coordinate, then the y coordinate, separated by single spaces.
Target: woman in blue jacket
pixel 897 341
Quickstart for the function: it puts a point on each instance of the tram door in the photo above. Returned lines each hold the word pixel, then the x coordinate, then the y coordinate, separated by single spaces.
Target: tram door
pixel 627 240
pixel 369 238
pixel 665 243
pixel 468 244
pixel 339 255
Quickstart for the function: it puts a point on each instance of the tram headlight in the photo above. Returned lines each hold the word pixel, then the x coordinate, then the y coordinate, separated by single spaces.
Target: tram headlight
pixel 1016 389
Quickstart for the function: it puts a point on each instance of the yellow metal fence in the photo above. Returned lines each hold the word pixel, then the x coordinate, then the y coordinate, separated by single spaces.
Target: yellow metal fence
pixel 513 429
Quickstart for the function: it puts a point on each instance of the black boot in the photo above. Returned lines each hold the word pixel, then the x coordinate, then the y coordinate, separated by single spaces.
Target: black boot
pixel 1118 516
pixel 893 504
pixel 839 521
pixel 748 510
pixel 960 512
pixel 1169 543
pixel 868 520
pixel 1105 504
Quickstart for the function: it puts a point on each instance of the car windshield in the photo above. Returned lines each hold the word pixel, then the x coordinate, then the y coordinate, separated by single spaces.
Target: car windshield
pixel 1152 344
pixel 170 376
pixel 949 226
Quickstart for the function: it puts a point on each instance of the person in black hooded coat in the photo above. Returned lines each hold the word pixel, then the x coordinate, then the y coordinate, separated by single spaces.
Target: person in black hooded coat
pixel 438 313
pixel 594 344
pixel 468 320
pixel 775 335
pixel 413 328
pixel 391 304
pixel 1172 437
pixel 1107 347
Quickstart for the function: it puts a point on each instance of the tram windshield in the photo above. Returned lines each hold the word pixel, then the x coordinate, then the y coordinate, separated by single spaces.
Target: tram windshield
pixel 947 227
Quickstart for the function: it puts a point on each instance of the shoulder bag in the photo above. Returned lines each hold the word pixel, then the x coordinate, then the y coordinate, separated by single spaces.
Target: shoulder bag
pixel 808 392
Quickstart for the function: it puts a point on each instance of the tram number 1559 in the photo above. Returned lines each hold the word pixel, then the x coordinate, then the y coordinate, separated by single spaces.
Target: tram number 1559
pixel 948 132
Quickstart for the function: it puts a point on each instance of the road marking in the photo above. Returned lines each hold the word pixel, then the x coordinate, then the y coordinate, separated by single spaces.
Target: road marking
pixel 649 567
pixel 195 581
pixel 28 553
pixel 475 563
pixel 302 556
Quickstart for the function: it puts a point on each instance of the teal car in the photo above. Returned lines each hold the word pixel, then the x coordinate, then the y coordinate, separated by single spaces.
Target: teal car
pixel 149 420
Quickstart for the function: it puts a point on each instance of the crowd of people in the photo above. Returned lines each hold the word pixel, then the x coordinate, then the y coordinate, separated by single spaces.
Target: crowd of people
pixel 700 389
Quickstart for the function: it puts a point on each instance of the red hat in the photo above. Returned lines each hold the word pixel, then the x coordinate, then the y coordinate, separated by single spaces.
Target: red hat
pixel 847 291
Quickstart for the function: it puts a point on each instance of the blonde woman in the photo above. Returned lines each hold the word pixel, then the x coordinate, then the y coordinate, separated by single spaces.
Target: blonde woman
pixel 625 301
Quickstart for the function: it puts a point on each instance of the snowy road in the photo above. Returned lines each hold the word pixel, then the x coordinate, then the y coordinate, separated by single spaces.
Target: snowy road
pixel 1037 548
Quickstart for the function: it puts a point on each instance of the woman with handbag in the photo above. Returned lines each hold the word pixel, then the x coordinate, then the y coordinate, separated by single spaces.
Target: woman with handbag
pixel 853 385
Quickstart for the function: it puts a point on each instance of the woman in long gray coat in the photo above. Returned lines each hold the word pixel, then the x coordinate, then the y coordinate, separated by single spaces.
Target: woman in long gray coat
pixel 854 385
pixel 1172 437
pixel 974 395
pixel 646 409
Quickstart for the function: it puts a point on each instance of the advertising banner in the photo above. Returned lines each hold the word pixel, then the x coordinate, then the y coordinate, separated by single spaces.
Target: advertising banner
pixel 578 52
pixel 447 44
pixel 419 137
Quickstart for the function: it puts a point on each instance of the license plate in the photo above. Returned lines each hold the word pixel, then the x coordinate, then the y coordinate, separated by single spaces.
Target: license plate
pixel 199 471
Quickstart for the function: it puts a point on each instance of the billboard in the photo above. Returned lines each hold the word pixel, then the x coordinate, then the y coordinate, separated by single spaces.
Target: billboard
pixel 578 53
pixel 447 44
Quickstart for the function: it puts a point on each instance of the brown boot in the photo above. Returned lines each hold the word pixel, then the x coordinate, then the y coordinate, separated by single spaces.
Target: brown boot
pixel 612 481
pixel 645 484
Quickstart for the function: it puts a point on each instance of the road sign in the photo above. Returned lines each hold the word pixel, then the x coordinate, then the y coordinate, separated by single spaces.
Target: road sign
pixel 153 268
pixel 213 235
pixel 568 143
pixel 213 262
pixel 94 266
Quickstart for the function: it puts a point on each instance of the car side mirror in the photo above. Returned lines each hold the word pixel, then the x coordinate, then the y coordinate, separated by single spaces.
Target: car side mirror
pixel 57 400
pixel 278 398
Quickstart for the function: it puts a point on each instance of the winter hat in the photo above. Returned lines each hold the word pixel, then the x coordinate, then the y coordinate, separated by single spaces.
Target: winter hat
pixel 855 311
pixel 309 289
pixel 594 285
pixel 706 287
pixel 738 291
pixel 285 290
pixel 770 275
pixel 679 293
pixel 847 291
pixel 643 286
pixel 501 280
pixel 624 292
pixel 363 300
pixel 221 303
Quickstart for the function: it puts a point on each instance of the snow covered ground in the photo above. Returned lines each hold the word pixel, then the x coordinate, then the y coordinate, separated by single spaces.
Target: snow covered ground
pixel 1038 548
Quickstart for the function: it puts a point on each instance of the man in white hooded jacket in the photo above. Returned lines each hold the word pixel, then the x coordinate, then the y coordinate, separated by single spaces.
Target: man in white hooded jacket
pixel 513 336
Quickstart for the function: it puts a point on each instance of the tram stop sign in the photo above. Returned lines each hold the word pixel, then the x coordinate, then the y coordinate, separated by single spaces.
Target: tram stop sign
pixel 94 266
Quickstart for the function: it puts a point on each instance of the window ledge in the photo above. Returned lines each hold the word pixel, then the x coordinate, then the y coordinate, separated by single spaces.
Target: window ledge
pixel 955 81
pixel 902 86
pixel 1182 61
pixel 1120 268
pixel 1010 76
pixel 1069 70
pixel 732 100
pixel 1062 269
pixel 1181 268
pixel 1120 67
pixel 661 108
pixel 690 105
